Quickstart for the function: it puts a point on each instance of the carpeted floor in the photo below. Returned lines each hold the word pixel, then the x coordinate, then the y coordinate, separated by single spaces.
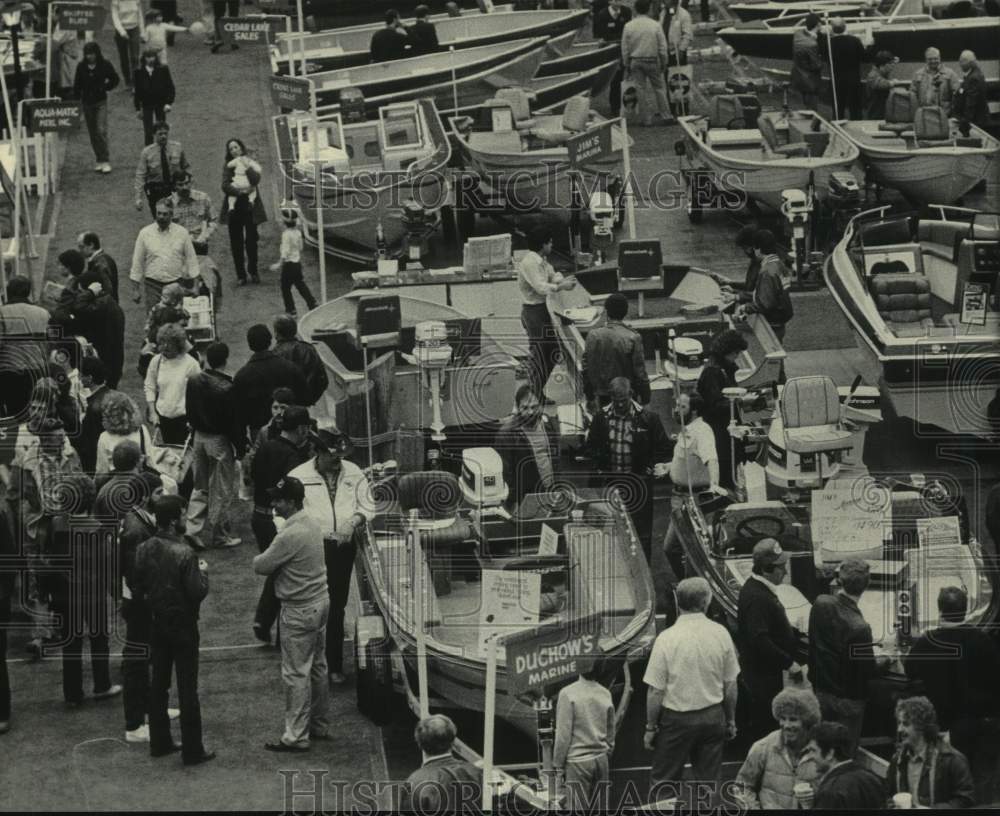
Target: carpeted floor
pixel 818 324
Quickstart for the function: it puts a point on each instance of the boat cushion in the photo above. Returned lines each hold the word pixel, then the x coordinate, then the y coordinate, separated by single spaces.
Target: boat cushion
pixel 931 124
pixel 496 141
pixel 436 494
pixel 520 103
pixel 576 114
pixel 771 141
pixel 724 111
pixel 808 402
pixel 902 297
pixel 900 107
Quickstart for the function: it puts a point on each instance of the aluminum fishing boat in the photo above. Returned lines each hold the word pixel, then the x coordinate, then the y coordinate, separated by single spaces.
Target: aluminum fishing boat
pixel 789 13
pixel 786 150
pixel 921 295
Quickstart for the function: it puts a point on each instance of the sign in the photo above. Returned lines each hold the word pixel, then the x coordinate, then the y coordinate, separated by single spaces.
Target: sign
pixel 550 654
pixel 291 92
pixel 640 258
pixel 940 531
pixel 974 299
pixel 80 17
pixel 548 541
pixel 851 519
pixel 590 146
pixel 53 116
pixel 258 30
pixel 509 603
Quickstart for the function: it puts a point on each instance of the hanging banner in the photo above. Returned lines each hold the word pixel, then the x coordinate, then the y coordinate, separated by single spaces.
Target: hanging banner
pixel 80 16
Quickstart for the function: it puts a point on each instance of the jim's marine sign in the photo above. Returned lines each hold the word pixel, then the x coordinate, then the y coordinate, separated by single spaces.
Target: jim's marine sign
pixel 53 116
pixel 550 654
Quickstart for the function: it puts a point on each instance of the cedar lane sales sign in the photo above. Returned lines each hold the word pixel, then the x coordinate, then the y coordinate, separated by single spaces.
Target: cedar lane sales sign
pixel 249 30
pixel 291 92
pixel 550 654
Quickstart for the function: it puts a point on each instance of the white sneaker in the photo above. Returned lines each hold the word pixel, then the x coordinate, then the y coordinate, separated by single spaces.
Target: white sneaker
pixel 140 734
pixel 99 167
pixel 105 168
pixel 173 713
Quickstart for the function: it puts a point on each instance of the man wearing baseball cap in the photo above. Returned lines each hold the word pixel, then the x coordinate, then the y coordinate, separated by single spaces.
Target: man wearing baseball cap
pixel 766 641
pixel 878 84
pixel 297 562
pixel 339 497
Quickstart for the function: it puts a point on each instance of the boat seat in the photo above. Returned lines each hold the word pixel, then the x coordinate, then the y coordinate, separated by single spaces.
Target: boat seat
pixel 903 299
pixel 496 141
pixel 520 103
pixel 931 127
pixel 771 141
pixel 810 413
pixel 900 107
pixel 725 111
pixel 574 120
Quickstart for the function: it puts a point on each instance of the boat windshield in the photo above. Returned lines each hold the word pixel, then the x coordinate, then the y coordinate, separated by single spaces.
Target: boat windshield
pixel 401 127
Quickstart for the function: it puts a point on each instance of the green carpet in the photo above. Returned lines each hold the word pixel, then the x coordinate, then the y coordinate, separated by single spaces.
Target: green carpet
pixel 818 324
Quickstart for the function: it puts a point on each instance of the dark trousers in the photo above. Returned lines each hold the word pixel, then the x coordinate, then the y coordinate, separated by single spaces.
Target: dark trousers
pixel 150 115
pixel 760 689
pixel 128 54
pixel 268 604
pixel 173 430
pixel 849 100
pixel 135 664
pixel 96 117
pixel 4 678
pixel 979 740
pixel 219 9
pixel 698 736
pixel 291 275
pixel 174 649
pixel 542 344
pixel 83 615
pixel 339 566
pixel 243 240
pixel 615 91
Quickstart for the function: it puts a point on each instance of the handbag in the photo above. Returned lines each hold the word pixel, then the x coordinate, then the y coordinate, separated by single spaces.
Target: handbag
pixel 630 99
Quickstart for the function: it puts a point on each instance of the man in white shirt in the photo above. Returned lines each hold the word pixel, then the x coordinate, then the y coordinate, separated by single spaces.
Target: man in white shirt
pixel 691 699
pixel 680 32
pixel 696 461
pixel 536 280
pixel 164 253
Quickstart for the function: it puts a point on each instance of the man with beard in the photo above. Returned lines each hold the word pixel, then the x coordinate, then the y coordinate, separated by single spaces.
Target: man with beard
pixel 338 496
pixel 528 444
pixel 628 446
pixel 842 784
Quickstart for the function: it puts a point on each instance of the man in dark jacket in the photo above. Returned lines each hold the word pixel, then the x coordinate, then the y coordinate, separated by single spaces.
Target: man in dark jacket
pixel 925 766
pixel 211 413
pixel 443 783
pixel 807 66
pixel 274 460
pixel 765 637
pixel 154 91
pixel 609 22
pixel 528 443
pixel 95 76
pixel 100 265
pixel 172 582
pixel 958 666
pixel 627 442
pixel 389 43
pixel 847 53
pixel 842 784
pixel 614 350
pixel 769 297
pixel 93 376
pixel 969 103
pixel 422 34
pixel 303 356
pixel 256 381
pixel 841 659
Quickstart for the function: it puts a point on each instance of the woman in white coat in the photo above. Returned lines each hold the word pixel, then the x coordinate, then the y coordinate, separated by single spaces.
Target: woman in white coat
pixel 339 498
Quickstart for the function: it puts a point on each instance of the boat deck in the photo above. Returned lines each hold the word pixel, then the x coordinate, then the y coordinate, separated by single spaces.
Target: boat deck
pixel 869 133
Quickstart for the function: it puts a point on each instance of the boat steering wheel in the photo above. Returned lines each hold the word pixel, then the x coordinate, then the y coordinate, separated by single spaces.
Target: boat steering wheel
pixel 751 527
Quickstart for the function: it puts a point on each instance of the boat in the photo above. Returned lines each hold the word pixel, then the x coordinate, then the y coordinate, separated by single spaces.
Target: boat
pixel 939 358
pixel 940 172
pixel 905 32
pixel 328 13
pixel 370 170
pixel 581 57
pixel 913 531
pixel 345 48
pixel 786 150
pixel 685 300
pixel 515 61
pixel 525 159
pixel 789 13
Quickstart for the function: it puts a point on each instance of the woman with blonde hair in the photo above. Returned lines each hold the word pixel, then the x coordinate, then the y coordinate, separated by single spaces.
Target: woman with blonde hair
pixel 122 420
pixel 166 384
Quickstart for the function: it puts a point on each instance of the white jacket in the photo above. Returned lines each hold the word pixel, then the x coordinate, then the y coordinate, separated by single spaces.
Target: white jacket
pixel 354 495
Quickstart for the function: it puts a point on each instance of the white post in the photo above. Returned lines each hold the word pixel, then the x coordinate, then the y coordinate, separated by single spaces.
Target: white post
pixel 48 47
pixel 290 44
pixel 489 715
pixel 318 189
pixel 454 80
pixel 15 140
pixel 829 52
pixel 627 189
pixel 417 585
pixel 302 45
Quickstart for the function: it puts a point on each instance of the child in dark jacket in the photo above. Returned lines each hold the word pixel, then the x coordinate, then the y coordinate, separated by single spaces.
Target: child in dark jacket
pixel 95 76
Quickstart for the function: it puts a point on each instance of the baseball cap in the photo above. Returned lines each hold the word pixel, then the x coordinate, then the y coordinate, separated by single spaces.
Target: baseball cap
pixel 884 58
pixel 287 488
pixel 295 416
pixel 767 553
pixel 332 440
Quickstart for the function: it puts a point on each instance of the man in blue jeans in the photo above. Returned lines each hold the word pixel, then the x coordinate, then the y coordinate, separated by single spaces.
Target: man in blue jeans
pixel 297 560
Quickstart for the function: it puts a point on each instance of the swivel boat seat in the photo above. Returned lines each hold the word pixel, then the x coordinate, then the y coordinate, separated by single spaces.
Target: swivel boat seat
pixel 808 436
pixel 900 108
pixel 449 540
pixel 520 102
